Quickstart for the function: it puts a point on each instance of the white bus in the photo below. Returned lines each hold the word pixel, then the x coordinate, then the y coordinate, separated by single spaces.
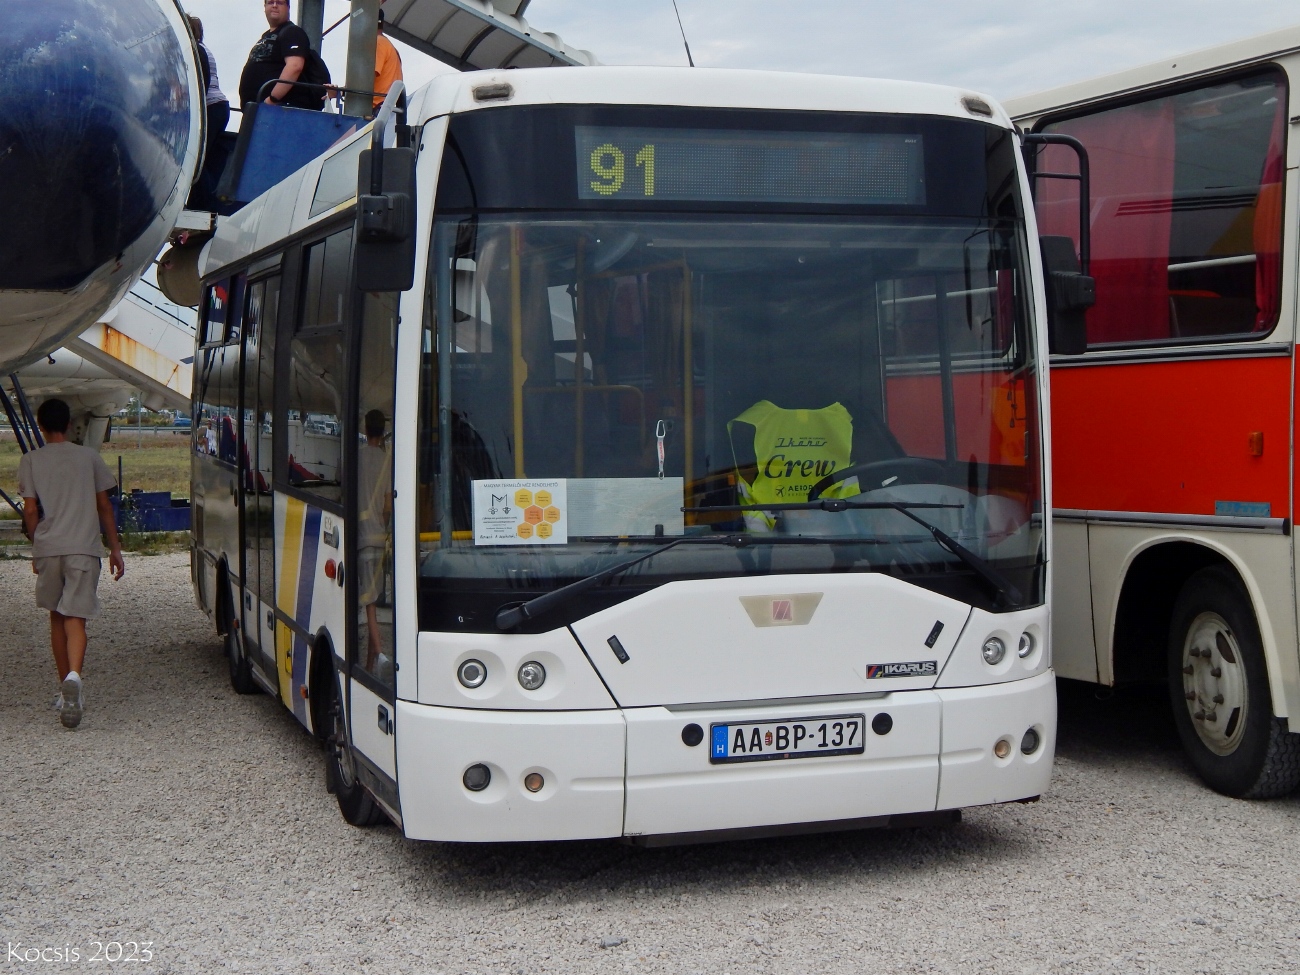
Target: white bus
pixel 659 456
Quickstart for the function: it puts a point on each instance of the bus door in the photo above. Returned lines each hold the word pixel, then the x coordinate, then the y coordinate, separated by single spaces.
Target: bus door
pixel 371 649
pixel 214 472
pixel 258 524
pixel 311 389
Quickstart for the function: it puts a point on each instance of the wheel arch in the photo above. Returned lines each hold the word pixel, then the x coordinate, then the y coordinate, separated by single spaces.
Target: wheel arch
pixel 320 671
pixel 1153 573
pixel 197 569
pixel 223 605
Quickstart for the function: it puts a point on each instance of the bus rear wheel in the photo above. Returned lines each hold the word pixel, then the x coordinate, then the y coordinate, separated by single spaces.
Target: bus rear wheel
pixel 241 672
pixel 1218 687
pixel 355 803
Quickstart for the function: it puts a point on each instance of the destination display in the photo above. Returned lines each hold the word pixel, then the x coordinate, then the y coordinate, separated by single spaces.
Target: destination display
pixel 845 168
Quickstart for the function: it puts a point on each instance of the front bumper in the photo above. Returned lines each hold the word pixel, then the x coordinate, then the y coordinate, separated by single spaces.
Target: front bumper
pixel 613 773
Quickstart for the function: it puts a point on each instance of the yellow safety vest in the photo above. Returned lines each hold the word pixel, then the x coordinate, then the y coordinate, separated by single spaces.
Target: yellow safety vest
pixel 795 449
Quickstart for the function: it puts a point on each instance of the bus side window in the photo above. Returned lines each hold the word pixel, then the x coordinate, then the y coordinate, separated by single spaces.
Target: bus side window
pixel 1186 211
pixel 216 380
pixel 317 362
pixel 254 328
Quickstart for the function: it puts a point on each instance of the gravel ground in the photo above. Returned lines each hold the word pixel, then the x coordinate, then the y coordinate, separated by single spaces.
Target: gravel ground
pixel 184 816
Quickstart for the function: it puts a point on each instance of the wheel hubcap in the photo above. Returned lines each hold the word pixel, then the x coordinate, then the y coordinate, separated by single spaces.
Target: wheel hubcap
pixel 1214 683
pixel 342 748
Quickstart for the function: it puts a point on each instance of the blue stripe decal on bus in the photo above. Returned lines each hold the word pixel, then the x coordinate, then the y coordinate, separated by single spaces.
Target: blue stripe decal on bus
pixel 306 587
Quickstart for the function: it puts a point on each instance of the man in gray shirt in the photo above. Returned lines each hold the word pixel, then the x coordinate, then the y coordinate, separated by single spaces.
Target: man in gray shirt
pixel 71 484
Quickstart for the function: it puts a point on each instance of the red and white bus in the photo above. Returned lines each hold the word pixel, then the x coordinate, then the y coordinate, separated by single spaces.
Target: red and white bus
pixel 1174 433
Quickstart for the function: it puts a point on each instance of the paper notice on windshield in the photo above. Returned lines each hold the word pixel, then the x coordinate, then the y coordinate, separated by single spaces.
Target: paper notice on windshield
pixel 519 512
pixel 618 506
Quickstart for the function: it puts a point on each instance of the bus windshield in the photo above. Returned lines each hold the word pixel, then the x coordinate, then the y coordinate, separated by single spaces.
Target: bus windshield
pixel 598 384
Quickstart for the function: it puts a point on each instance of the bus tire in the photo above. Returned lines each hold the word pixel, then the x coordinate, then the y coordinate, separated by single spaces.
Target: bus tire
pixel 1218 687
pixel 241 671
pixel 355 803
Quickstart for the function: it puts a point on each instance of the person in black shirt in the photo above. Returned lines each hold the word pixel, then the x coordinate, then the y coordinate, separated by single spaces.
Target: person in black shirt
pixel 282 53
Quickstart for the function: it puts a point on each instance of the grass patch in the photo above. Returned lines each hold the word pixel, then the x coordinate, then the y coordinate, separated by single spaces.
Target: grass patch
pixel 138 543
pixel 155 543
pixel 161 462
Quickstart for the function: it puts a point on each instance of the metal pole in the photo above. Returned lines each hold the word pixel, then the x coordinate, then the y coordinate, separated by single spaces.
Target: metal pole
pixel 311 18
pixel 15 424
pixel 362 31
pixel 33 428
pixel 945 371
pixel 518 365
pixel 443 244
pixel 13 504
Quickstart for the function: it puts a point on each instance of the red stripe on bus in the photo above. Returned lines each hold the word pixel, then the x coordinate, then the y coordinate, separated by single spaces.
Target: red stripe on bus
pixel 1171 436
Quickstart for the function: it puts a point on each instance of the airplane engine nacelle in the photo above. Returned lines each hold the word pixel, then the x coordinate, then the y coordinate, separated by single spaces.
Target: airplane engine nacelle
pixel 100 136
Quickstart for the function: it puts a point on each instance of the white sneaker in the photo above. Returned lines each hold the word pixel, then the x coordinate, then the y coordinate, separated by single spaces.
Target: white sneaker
pixel 58 700
pixel 70 713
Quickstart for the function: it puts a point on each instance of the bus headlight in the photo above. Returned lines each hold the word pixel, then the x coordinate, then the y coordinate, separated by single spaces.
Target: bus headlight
pixel 1026 645
pixel 532 675
pixel 994 650
pixel 472 673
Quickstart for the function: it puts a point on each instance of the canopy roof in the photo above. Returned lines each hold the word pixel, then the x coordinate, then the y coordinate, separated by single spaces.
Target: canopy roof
pixel 474 34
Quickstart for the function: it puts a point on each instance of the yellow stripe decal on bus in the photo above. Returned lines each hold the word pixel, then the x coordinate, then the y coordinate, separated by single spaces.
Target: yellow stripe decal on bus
pixel 283 650
pixel 291 547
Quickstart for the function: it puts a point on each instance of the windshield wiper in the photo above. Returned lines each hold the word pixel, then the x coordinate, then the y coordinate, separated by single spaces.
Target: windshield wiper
pixel 510 616
pixel 1006 591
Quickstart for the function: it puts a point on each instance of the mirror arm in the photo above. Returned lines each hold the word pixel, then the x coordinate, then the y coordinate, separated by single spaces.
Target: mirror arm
pixel 1084 177
pixel 384 240
pixel 379 135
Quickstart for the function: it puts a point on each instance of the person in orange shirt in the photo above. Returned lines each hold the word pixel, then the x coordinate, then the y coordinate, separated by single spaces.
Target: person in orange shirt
pixel 388 65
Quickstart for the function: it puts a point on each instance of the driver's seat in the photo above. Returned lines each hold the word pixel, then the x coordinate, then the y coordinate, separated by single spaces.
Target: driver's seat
pixel 791 451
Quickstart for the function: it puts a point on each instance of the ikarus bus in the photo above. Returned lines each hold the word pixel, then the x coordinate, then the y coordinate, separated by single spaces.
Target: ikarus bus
pixel 640 453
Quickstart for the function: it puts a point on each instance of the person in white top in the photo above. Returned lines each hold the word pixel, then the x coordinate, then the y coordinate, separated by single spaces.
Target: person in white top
pixel 65 488
pixel 218 107
pixel 375 533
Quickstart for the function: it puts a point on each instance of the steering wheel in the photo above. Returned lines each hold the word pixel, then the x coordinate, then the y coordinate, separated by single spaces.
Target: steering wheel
pixel 909 470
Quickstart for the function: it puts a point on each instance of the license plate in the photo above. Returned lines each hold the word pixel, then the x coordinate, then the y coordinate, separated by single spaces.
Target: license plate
pixel 763 741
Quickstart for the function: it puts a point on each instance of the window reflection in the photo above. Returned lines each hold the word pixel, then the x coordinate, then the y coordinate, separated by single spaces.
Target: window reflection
pixel 374 531
pixel 1186 211
pixel 665 364
pixel 313 427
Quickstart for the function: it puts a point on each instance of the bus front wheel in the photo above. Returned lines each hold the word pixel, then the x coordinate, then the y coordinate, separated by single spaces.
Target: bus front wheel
pixel 1218 686
pixel 355 803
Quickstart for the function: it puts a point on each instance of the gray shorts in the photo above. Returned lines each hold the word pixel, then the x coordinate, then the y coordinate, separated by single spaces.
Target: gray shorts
pixel 371 578
pixel 66 584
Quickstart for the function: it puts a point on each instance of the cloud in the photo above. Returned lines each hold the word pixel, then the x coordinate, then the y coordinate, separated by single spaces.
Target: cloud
pixel 1003 47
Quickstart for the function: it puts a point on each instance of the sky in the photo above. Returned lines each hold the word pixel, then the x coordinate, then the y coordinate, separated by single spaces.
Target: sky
pixel 1001 47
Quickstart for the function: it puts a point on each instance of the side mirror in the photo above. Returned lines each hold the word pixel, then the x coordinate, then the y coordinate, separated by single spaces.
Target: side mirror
pixel 1070 293
pixel 385 228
